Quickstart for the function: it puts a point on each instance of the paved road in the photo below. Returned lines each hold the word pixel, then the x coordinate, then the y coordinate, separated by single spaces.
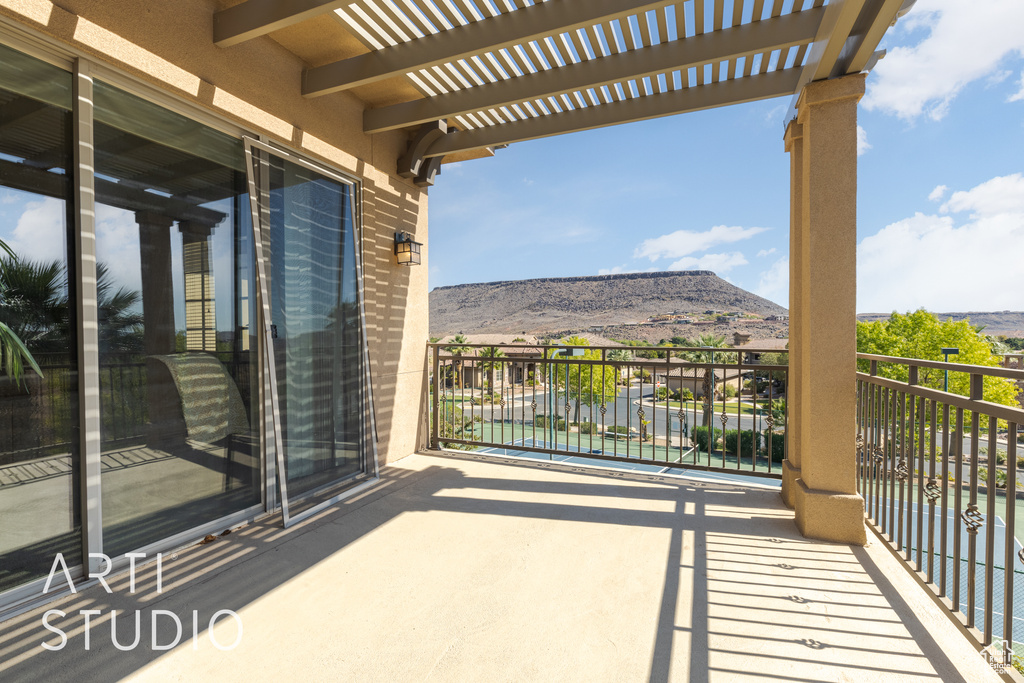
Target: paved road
pixel 622 411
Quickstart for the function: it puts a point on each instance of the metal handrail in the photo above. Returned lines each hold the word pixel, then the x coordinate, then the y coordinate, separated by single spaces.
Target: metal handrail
pixel 524 416
pixel 913 444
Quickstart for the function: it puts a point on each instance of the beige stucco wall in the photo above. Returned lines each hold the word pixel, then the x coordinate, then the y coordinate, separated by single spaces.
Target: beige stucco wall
pixel 256 85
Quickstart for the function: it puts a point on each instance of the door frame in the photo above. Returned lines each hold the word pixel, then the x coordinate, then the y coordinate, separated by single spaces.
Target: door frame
pixel 271 434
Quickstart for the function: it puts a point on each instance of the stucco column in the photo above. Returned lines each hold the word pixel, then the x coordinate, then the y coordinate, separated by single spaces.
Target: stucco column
pixel 162 431
pixel 827 504
pixel 794 140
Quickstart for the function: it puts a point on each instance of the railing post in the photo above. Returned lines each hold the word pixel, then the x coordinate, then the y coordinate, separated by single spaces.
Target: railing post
pixel 435 401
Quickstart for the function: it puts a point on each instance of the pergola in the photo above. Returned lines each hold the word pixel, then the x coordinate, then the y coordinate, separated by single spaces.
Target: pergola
pixel 466 77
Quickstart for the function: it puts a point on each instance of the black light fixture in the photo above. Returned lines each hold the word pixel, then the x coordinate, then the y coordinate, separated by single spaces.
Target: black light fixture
pixel 407 250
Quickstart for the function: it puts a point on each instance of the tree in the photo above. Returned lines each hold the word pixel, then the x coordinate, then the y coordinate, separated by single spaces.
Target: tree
pixel 776 358
pixel 702 353
pixel 458 348
pixel 619 355
pixel 922 335
pixel 586 384
pixel 491 353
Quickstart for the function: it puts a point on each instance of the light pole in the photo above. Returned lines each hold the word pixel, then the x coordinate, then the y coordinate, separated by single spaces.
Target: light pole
pixel 947 352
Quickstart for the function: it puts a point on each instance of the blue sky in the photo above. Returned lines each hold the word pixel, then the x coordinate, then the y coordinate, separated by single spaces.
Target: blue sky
pixel 940 197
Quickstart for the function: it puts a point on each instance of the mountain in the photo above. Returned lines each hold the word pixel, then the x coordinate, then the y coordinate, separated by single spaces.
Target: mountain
pixel 1010 323
pixel 548 305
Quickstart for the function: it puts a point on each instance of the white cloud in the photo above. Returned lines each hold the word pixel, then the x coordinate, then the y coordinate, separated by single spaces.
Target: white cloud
pixel 39 234
pixel 1019 95
pixel 938 193
pixel 774 282
pixel 719 263
pixel 931 261
pixel 615 270
pixel 618 270
pixel 117 245
pixel 862 141
pixel 685 242
pixel 997 78
pixel 966 42
pixel 766 252
pixel 1001 195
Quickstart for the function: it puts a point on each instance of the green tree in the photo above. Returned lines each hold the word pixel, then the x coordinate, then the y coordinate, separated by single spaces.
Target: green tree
pixel 13 352
pixel 491 354
pixel 458 348
pixel 590 385
pixel 922 335
pixel 776 358
pixel 34 309
pixel 703 352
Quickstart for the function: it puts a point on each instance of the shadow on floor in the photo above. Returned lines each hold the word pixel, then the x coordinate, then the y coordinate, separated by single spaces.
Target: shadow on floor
pixel 742 594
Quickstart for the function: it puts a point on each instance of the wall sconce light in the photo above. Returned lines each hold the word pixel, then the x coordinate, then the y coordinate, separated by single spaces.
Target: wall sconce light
pixel 407 250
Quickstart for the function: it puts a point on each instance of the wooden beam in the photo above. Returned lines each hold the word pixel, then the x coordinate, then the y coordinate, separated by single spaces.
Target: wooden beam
pixel 749 89
pixel 857 55
pixel 513 28
pixel 763 36
pixel 838 22
pixel 254 18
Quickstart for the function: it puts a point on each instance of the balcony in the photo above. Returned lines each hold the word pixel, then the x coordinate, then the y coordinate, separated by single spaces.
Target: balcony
pixel 475 567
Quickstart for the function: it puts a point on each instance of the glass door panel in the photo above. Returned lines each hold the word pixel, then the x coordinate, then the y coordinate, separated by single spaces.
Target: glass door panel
pixel 178 358
pixel 39 455
pixel 310 272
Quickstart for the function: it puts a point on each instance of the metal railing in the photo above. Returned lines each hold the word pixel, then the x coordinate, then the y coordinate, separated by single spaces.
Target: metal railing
pixel 913 445
pixel 597 402
pixel 38 417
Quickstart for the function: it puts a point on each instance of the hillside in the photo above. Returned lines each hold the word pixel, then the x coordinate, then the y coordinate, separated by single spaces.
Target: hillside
pixel 1010 323
pixel 549 305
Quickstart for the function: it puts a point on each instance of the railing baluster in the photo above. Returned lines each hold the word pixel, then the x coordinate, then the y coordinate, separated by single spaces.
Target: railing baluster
pixel 944 521
pixel 991 490
pixel 901 468
pixel 958 454
pixel 920 483
pixel 972 518
pixel 892 455
pixel 932 490
pixel 1009 558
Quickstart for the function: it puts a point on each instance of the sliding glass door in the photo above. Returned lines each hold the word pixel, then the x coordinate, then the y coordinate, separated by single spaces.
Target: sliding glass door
pixel 310 283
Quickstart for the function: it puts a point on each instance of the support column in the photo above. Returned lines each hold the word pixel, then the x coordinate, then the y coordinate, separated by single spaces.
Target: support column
pixel 827 504
pixel 200 307
pixel 794 140
pixel 158 337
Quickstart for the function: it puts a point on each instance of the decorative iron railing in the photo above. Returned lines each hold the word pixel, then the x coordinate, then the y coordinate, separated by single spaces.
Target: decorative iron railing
pixel 693 408
pixel 939 473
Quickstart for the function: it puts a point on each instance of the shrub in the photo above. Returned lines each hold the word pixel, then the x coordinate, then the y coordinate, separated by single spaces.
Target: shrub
pixel 662 393
pixel 730 391
pixel 700 437
pixel 746 439
pixel 621 429
pixel 542 421
pixel 777 447
pixel 685 395
pixel 587 428
pixel 642 375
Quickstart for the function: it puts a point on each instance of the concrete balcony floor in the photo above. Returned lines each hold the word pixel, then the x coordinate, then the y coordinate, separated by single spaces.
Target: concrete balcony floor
pixel 473 568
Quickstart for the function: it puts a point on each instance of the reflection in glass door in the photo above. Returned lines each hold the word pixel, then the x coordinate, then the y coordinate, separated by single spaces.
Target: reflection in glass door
pixel 310 281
